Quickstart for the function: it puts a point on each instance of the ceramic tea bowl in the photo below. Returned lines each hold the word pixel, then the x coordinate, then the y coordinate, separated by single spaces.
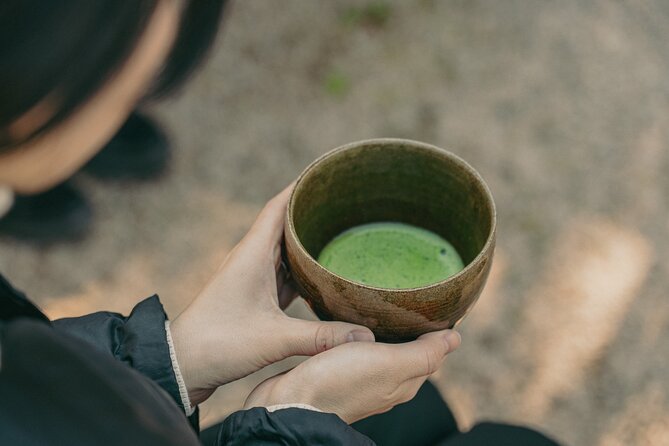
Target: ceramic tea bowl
pixel 390 180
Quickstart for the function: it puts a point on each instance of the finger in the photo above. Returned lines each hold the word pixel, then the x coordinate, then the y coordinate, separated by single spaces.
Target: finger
pixel 452 338
pixel 312 337
pixel 261 246
pixel 268 227
pixel 425 355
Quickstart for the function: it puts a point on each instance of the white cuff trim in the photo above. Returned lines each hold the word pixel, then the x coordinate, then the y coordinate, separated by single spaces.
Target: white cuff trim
pixel 291 406
pixel 183 392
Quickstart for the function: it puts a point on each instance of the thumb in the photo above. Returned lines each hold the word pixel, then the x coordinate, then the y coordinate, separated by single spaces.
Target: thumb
pixel 425 355
pixel 312 337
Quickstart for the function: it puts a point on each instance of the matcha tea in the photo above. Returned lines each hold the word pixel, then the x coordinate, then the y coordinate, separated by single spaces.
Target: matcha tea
pixel 391 255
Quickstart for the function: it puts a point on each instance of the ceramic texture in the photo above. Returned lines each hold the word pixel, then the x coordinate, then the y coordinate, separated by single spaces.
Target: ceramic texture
pixel 390 180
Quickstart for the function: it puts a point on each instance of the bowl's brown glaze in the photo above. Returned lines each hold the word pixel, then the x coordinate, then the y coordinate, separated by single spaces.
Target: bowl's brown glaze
pixel 390 180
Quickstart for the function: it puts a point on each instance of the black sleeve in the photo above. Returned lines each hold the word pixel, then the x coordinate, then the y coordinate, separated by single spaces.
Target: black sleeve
pixel 259 427
pixel 57 390
pixel 15 304
pixel 138 340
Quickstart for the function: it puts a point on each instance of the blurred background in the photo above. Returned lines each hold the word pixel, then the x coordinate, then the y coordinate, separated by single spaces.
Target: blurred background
pixel 562 106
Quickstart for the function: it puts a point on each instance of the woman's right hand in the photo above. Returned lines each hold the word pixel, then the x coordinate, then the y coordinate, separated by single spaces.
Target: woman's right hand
pixel 359 379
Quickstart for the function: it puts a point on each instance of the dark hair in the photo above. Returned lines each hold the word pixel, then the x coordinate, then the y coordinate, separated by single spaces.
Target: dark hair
pixel 70 48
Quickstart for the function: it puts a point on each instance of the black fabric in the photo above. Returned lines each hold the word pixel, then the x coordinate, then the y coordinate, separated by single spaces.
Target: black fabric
pixel 57 390
pixel 14 303
pixel 209 436
pixel 138 340
pixel 71 382
pixel 423 421
pixel 287 427
pixel 427 420
pixel 499 435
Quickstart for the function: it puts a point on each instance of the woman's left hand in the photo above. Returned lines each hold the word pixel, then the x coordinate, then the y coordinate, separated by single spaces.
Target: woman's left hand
pixel 236 325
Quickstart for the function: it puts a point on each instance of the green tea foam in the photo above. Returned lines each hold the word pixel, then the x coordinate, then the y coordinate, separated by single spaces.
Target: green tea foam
pixel 391 255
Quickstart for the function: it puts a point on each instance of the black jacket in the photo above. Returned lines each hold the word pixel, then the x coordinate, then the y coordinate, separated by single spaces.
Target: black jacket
pixel 107 379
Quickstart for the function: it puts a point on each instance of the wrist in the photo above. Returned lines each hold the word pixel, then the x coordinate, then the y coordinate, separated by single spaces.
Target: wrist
pixel 186 351
pixel 285 393
pixel 183 390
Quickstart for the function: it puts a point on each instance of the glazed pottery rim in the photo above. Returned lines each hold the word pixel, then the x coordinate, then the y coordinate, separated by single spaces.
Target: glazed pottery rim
pixel 400 141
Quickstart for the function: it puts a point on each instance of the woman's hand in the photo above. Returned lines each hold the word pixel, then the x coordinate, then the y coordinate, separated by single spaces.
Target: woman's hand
pixel 236 325
pixel 358 380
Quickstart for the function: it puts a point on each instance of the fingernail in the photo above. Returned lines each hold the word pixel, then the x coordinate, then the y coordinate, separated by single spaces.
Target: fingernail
pixel 360 336
pixel 453 340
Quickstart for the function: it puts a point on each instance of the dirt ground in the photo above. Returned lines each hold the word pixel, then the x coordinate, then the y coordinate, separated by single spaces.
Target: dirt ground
pixel 562 106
